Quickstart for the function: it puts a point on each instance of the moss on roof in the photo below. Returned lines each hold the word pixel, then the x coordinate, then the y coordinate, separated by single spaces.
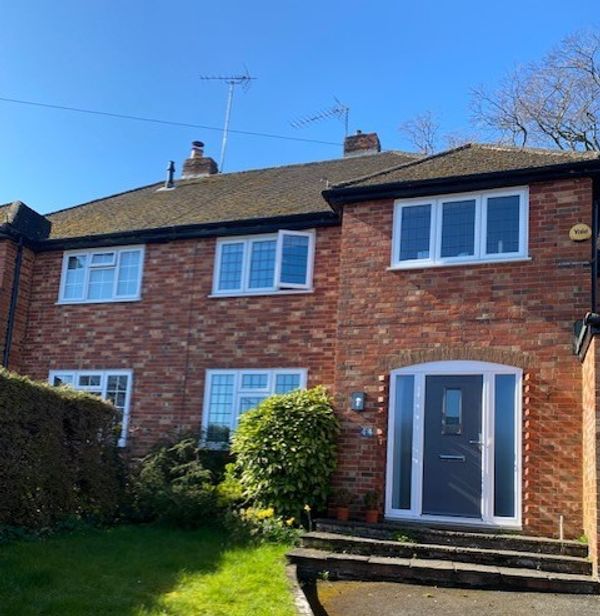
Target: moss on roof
pixel 469 159
pixel 261 193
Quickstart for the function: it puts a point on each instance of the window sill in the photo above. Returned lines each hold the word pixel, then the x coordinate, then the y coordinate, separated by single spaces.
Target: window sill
pixel 67 302
pixel 415 266
pixel 262 293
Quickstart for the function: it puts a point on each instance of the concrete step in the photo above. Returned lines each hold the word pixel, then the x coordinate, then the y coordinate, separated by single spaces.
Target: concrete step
pixel 455 538
pixel 312 564
pixel 346 544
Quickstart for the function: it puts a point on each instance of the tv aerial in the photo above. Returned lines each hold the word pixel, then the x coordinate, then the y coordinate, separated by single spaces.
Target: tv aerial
pixel 339 111
pixel 232 81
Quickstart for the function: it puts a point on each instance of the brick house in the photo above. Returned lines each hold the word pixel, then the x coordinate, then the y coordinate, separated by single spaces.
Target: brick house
pixel 436 297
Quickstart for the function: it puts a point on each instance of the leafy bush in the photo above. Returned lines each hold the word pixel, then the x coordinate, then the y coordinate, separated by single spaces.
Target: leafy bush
pixel 58 455
pixel 172 485
pixel 285 451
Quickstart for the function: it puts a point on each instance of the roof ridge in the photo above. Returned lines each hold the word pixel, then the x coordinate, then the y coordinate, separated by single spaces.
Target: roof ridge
pixel 403 165
pixel 305 164
pixel 551 151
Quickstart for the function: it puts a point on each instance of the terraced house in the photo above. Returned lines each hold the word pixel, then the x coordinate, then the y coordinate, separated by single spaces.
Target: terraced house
pixel 439 298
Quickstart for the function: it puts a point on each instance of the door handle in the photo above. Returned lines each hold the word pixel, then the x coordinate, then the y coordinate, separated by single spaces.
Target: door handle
pixel 450 457
pixel 477 442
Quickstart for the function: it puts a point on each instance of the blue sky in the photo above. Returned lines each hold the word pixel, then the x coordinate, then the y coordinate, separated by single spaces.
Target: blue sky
pixel 386 60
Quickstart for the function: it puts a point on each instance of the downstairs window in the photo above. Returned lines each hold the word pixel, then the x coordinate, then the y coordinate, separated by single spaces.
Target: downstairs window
pixel 230 393
pixel 111 385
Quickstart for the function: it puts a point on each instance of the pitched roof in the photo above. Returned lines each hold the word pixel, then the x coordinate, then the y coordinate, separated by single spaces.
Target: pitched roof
pixel 466 160
pixel 261 193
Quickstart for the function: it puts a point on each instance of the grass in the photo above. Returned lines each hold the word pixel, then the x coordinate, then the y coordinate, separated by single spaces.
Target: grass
pixel 143 571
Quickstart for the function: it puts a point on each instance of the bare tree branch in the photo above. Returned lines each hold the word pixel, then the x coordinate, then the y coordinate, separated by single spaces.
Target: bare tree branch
pixel 554 102
pixel 423 132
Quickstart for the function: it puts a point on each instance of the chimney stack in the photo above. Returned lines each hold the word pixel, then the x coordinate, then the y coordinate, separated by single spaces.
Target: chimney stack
pixel 361 144
pixel 198 165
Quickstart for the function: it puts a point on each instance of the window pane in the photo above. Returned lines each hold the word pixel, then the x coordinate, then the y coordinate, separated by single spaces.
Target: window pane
pixel 101 283
pixel 502 224
pixel 403 436
pixel 458 229
pixel 286 382
pixel 250 402
pixel 294 259
pixel 254 381
pixel 75 277
pixel 104 258
pixel 220 408
pixel 262 264
pixel 504 445
pixel 129 273
pixel 89 380
pixel 415 229
pixel 62 379
pixel 230 276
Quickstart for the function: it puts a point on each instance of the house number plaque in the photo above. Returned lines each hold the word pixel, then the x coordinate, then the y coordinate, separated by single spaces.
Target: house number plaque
pixel 580 232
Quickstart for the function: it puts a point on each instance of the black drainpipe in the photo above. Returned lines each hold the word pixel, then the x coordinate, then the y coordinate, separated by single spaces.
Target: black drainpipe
pixel 594 261
pixel 10 323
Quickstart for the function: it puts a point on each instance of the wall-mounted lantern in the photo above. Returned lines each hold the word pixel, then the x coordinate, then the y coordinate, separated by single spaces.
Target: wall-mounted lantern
pixel 357 400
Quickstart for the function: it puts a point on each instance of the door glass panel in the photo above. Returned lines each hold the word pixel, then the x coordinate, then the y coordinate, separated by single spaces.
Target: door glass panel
pixel 452 412
pixel 403 437
pixel 504 440
pixel 458 229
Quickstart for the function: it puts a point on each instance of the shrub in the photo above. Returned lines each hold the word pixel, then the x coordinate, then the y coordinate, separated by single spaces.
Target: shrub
pixel 58 455
pixel 260 525
pixel 285 451
pixel 171 485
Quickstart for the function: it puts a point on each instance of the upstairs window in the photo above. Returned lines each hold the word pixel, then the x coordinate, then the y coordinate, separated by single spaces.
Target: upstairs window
pixel 264 263
pixel 230 393
pixel 103 275
pixel 111 385
pixel 456 229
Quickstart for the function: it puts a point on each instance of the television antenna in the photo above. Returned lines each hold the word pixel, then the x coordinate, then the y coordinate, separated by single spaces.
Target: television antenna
pixel 241 79
pixel 339 111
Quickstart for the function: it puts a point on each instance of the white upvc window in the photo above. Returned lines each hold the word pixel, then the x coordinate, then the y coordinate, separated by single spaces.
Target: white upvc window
pixel 112 385
pixel 458 229
pixel 259 264
pixel 102 275
pixel 229 393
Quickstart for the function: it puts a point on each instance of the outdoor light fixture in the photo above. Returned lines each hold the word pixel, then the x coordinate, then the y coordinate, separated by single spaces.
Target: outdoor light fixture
pixel 357 400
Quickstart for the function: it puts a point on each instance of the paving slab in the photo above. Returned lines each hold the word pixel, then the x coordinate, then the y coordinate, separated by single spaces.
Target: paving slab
pixel 392 599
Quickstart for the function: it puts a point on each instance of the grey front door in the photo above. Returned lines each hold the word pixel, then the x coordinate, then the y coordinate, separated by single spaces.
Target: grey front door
pixel 452 471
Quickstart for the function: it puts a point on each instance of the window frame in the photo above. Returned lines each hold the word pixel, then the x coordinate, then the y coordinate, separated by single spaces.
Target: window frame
pixel 436 202
pixel 104 375
pixel 89 255
pixel 278 287
pixel 239 392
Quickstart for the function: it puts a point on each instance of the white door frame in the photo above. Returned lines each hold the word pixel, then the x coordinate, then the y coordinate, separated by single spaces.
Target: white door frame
pixel 488 371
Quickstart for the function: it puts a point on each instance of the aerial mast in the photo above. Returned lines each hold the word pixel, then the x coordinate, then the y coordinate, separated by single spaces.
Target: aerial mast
pixel 242 79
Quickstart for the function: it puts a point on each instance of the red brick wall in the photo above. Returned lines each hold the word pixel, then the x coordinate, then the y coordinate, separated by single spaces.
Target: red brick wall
pixel 8 254
pixel 177 332
pixel 519 314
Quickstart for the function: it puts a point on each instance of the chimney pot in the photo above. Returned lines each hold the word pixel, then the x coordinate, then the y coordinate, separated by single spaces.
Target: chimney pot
pixel 198 165
pixel 361 144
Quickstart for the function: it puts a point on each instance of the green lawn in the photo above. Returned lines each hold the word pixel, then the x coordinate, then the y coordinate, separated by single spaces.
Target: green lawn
pixel 143 571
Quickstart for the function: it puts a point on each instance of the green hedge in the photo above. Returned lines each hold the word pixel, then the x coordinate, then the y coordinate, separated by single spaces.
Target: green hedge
pixel 58 455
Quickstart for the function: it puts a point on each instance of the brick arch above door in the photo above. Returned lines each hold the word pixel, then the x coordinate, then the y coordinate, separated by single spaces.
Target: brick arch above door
pixel 495 355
